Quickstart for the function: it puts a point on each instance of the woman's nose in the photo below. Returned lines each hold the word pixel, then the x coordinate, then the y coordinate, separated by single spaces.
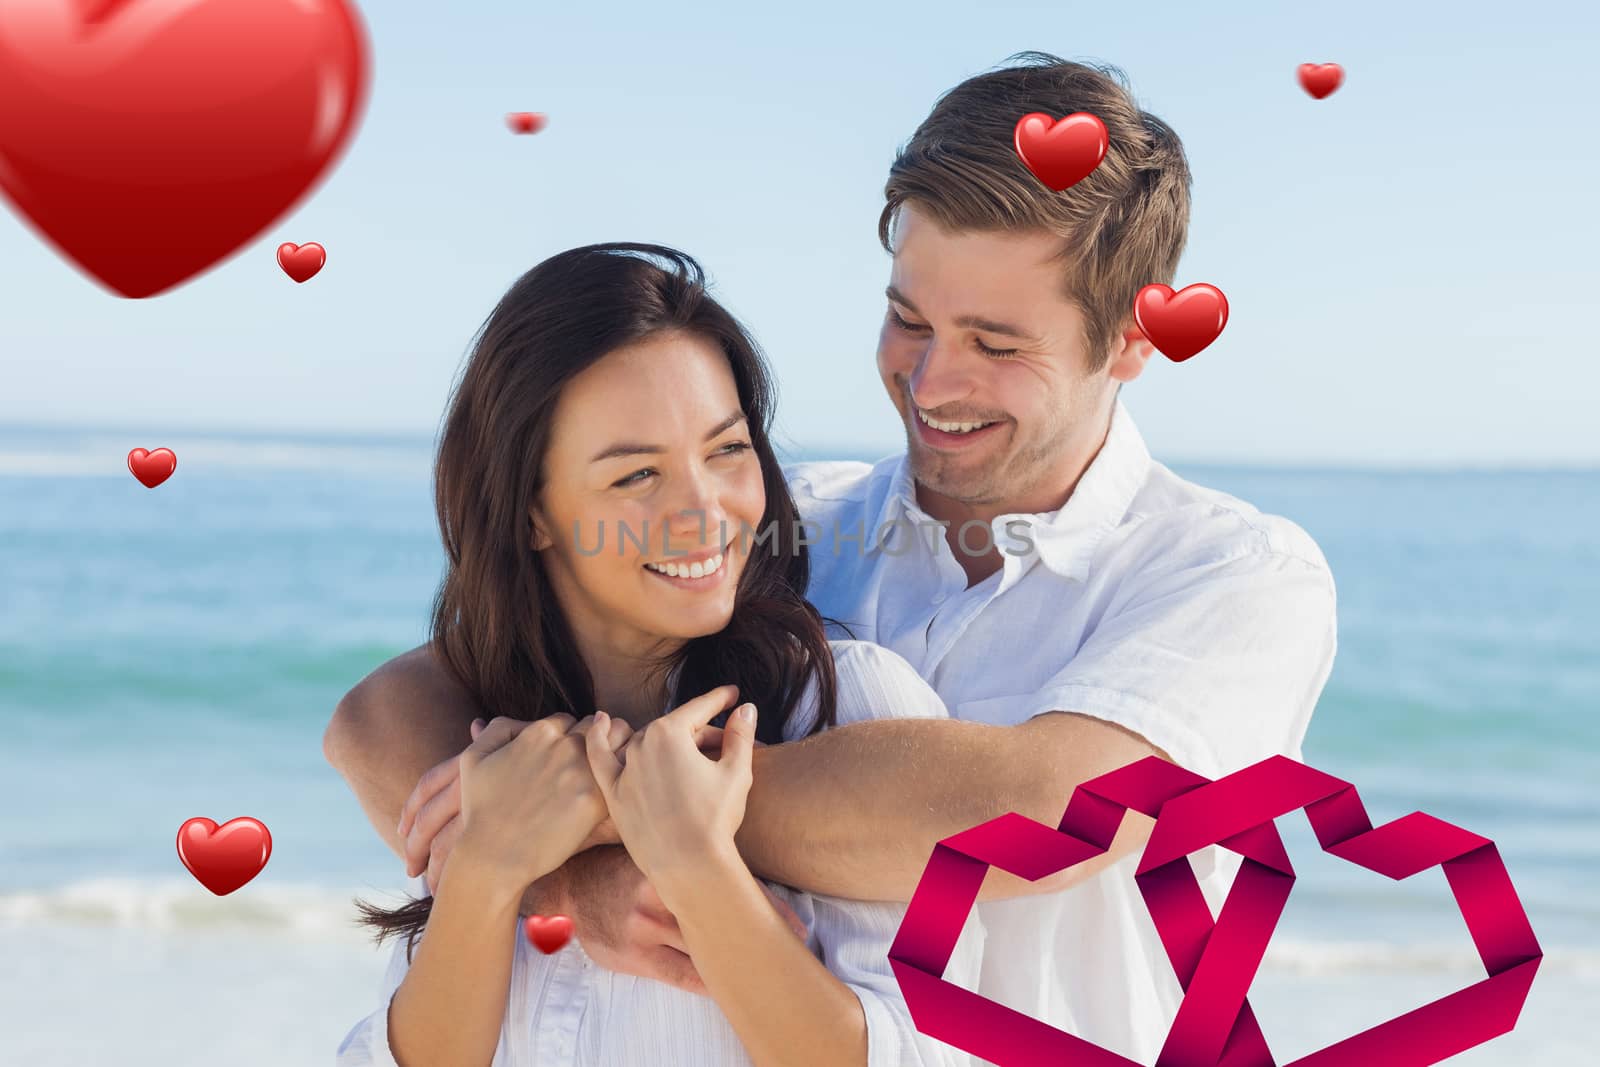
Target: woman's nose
pixel 694 516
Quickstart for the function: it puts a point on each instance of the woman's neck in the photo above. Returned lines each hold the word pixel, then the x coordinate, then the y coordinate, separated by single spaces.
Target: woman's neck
pixel 627 684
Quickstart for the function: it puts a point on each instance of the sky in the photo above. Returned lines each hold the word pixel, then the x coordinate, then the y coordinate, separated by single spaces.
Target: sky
pixel 1408 262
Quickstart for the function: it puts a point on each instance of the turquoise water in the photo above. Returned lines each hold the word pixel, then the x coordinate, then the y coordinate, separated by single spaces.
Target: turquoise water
pixel 176 652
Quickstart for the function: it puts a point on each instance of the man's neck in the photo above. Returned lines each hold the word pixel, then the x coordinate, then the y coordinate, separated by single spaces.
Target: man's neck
pixel 1047 494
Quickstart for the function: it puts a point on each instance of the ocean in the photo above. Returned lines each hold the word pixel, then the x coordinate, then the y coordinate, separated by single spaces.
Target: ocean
pixel 176 652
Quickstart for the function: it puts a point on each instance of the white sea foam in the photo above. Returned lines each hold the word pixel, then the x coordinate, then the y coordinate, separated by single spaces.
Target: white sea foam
pixel 320 911
pixel 179 905
pixel 106 456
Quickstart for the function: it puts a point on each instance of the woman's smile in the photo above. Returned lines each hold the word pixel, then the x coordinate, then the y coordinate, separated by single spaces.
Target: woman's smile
pixel 699 573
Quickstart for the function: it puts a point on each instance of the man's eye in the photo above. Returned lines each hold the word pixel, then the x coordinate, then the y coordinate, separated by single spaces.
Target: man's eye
pixel 903 324
pixel 995 353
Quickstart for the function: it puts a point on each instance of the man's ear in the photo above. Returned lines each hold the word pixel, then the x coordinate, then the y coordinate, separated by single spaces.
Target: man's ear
pixel 1130 351
pixel 538 539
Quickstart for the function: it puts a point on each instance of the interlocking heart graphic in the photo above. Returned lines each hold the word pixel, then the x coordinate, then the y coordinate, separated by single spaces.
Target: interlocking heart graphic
pixel 1215 960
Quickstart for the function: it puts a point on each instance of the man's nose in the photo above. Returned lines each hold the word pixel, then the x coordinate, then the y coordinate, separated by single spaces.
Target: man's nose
pixel 941 376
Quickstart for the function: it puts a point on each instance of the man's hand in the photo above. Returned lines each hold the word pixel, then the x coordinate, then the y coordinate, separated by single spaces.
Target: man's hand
pixel 623 925
pixel 430 821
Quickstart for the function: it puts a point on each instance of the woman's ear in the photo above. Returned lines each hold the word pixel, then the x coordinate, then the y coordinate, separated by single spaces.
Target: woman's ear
pixel 538 540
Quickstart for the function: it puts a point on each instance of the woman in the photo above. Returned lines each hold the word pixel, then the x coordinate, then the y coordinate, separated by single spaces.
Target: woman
pixel 620 540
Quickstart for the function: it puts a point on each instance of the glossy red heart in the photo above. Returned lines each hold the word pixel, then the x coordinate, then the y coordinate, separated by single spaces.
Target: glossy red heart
pixel 548 932
pixel 301 262
pixel 145 139
pixel 152 468
pixel 1183 323
pixel 224 858
pixel 1320 79
pixel 525 122
pixel 1061 154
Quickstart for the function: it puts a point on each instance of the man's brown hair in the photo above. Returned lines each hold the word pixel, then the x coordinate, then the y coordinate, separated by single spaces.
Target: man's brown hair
pixel 1122 228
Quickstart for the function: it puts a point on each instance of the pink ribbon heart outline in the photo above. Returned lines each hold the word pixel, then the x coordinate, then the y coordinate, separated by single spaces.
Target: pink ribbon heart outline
pixel 1215 960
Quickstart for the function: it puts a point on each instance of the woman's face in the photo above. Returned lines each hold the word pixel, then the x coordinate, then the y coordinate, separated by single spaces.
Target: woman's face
pixel 650 465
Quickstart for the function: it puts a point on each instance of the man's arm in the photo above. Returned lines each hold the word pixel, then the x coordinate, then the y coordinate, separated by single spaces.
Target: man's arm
pixel 856 811
pixel 402 719
pixel 398 721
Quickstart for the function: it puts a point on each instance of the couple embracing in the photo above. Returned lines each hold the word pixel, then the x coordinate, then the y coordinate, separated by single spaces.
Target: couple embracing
pixel 719 710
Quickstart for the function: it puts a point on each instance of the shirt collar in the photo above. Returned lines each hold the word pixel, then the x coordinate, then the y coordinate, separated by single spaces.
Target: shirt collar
pixel 1065 540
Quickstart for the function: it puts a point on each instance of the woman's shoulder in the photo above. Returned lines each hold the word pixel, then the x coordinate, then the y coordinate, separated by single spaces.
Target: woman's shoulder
pixel 873 682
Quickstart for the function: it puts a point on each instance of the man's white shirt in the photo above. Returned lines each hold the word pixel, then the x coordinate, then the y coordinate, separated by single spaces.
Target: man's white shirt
pixel 1175 611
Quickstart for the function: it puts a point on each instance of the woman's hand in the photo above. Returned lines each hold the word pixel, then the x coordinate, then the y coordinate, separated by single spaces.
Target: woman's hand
pixel 528 797
pixel 674 807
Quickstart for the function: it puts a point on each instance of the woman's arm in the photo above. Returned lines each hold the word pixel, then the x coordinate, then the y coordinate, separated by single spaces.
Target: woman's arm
pixel 451 1006
pixel 786 1007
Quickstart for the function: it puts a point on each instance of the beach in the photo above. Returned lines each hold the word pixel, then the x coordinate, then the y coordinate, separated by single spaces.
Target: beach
pixel 176 652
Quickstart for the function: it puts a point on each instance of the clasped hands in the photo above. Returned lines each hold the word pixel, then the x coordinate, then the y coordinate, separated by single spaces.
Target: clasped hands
pixel 529 798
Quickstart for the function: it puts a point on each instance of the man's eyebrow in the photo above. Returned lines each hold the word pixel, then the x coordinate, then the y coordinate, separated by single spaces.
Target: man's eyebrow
pixel 629 449
pixel 968 322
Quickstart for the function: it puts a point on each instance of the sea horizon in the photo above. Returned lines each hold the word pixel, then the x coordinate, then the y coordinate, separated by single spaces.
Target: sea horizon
pixel 13 431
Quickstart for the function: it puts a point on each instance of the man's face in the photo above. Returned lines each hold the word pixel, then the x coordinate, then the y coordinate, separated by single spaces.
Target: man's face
pixel 951 295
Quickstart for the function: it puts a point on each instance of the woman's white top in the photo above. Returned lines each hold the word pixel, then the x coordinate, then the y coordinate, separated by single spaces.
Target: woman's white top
pixel 564 1010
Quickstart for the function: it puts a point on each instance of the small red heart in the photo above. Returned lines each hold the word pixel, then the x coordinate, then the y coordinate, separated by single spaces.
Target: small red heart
pixel 1181 324
pixel 525 122
pixel 147 141
pixel 547 932
pixel 301 262
pixel 223 858
pixel 1062 153
pixel 152 468
pixel 1320 79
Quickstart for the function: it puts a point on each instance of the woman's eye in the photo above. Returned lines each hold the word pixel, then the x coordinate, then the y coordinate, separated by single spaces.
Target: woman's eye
pixel 632 479
pixel 733 448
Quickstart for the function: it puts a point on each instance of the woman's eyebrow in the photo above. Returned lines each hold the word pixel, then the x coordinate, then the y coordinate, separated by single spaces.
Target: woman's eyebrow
pixel 627 448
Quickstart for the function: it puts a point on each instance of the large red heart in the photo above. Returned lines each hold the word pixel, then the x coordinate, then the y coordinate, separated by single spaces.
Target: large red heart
pixel 1215 960
pixel 147 140
pixel 1062 153
pixel 1182 324
pixel 223 858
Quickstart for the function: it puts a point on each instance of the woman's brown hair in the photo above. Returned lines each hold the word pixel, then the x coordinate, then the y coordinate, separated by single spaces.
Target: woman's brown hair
pixel 496 623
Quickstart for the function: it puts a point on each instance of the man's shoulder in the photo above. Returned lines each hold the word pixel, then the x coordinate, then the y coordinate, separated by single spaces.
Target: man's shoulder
pixel 1200 525
pixel 823 484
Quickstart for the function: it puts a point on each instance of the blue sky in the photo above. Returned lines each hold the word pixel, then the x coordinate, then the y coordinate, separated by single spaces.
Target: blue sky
pixel 1409 261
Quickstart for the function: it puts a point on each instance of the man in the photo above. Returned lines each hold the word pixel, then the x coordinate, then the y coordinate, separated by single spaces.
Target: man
pixel 1082 608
